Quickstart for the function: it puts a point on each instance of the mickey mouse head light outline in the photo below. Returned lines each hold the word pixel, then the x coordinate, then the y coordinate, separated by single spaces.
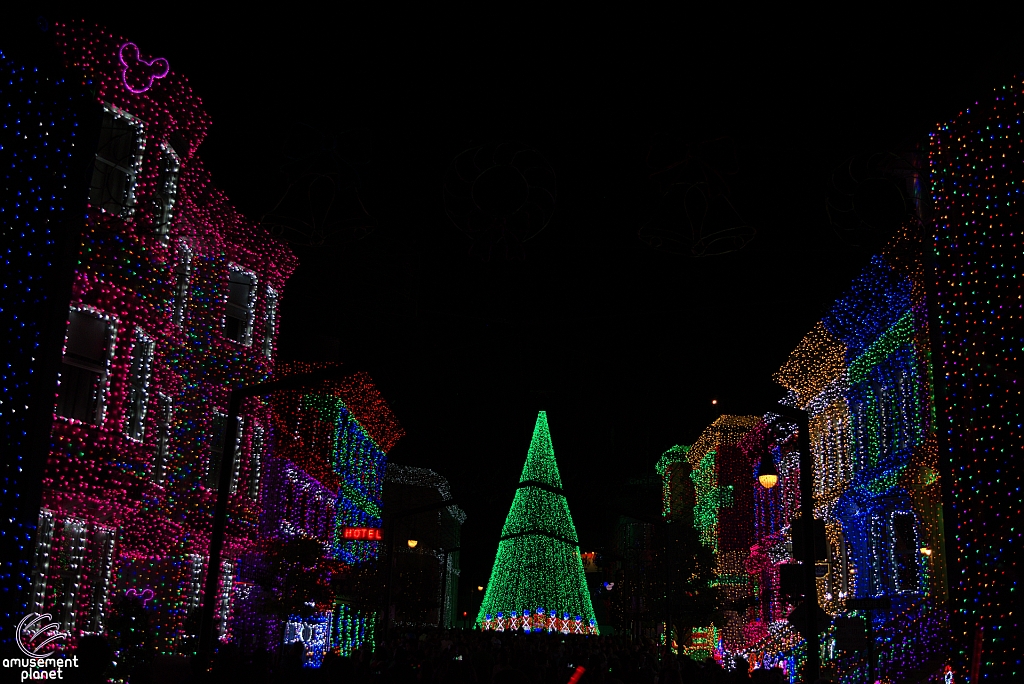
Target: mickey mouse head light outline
pixel 131 61
pixel 146 595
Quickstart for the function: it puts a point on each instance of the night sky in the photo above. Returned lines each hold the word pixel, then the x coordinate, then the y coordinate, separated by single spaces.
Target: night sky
pixel 625 346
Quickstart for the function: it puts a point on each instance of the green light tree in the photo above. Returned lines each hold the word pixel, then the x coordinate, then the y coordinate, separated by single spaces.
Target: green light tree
pixel 538 563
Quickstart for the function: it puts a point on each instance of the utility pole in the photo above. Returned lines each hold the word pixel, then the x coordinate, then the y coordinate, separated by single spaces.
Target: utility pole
pixel 806 552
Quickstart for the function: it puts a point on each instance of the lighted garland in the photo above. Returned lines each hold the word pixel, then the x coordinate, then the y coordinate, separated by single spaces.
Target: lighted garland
pixel 537 582
pixel 41 146
pixel 975 187
pixel 425 477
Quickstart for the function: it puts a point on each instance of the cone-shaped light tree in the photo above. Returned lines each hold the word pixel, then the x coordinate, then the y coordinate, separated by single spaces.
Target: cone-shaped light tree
pixel 537 582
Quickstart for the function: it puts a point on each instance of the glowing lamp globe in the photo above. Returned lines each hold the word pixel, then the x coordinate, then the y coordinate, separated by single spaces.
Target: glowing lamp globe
pixel 767 474
pixel 412 543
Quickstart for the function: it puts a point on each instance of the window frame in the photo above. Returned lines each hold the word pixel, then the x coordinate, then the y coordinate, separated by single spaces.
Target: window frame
pixel 164 425
pixel 257 451
pixel 245 336
pixel 166 191
pixel 913 553
pixel 135 425
pixel 270 321
pixel 126 205
pixel 182 283
pixel 218 443
pixel 102 383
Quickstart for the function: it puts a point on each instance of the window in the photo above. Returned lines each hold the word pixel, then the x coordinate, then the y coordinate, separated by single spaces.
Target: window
pixel 271 328
pixel 182 276
pixel 904 551
pixel 256 460
pixel 83 375
pixel 138 385
pixel 166 190
pixel 238 318
pixel 75 533
pixel 196 564
pixel 227 580
pixel 165 419
pixel 41 567
pixel 103 560
pixel 118 158
pixel 217 446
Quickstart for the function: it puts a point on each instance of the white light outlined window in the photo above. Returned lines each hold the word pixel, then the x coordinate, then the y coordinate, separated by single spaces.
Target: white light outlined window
pixel 166 195
pixel 138 385
pixel 118 162
pixel 84 374
pixel 218 442
pixel 270 329
pixel 256 457
pixel 238 311
pixel 41 567
pixel 905 552
pixel 182 279
pixel 164 422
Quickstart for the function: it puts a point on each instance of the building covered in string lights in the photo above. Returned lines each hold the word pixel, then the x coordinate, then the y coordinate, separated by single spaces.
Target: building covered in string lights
pixel 706 485
pixel 975 163
pixel 138 297
pixel 427 547
pixel 312 575
pixel 863 374
pixel 537 582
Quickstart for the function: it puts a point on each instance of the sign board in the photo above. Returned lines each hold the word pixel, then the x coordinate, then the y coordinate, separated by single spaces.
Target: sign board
pixel 798 619
pixel 371 533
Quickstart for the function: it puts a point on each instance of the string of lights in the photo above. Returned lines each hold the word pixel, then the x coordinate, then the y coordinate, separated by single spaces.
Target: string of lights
pixel 974 163
pixel 151 346
pixel 537 582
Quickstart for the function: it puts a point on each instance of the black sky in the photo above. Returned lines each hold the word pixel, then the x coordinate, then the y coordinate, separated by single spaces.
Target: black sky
pixel 624 346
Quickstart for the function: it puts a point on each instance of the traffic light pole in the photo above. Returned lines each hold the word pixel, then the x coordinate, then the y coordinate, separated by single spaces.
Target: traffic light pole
pixel 812 669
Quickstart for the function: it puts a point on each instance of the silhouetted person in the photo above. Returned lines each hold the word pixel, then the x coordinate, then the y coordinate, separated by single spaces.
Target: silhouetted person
pixel 741 670
pixel 773 676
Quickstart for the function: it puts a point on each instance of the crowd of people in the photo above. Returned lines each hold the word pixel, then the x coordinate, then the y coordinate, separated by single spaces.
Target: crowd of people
pixel 474 657
pixel 452 657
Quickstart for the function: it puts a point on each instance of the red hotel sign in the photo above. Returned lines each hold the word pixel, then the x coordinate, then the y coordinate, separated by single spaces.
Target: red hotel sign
pixel 363 533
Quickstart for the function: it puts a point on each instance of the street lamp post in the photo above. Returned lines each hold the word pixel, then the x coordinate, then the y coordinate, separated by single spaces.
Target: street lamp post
pixel 220 512
pixel 768 477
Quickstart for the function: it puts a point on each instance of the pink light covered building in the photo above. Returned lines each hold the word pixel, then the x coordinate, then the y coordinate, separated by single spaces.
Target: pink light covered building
pixel 174 300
